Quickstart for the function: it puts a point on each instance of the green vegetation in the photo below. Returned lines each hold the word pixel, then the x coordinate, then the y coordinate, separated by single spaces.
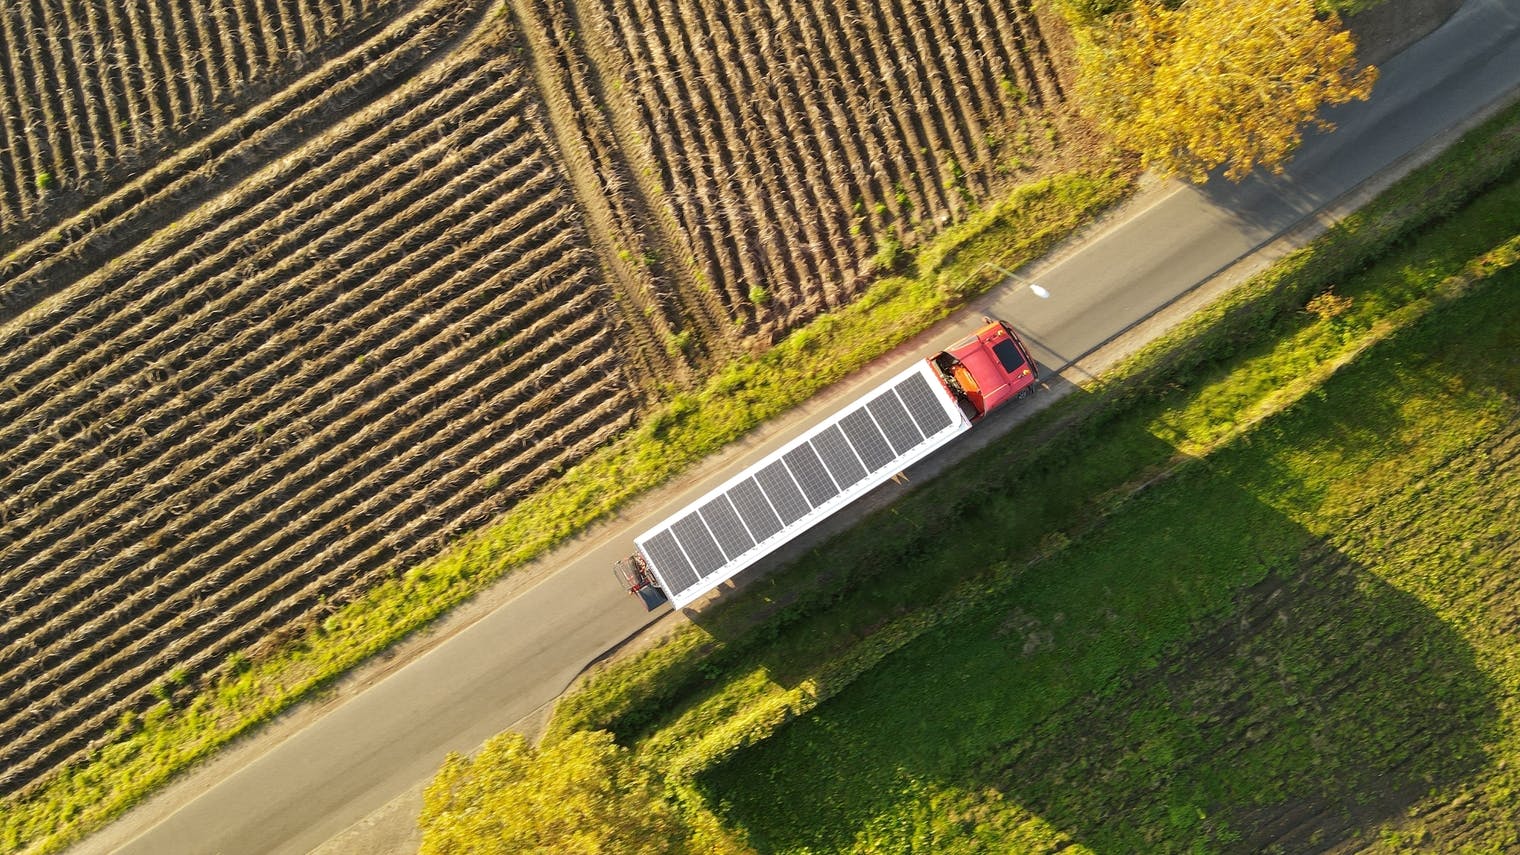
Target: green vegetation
pixel 889 254
pixel 582 794
pixel 177 733
pixel 1274 632
pixel 1282 585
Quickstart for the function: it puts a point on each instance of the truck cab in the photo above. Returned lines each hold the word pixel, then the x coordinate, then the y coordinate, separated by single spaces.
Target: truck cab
pixel 987 369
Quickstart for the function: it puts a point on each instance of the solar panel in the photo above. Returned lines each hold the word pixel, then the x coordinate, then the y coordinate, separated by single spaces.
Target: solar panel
pixel 926 411
pixel 668 559
pixel 792 488
pixel 779 487
pixel 892 417
pixel 867 439
pixel 699 544
pixel 756 512
pixel 726 527
pixel 810 474
pixel 838 456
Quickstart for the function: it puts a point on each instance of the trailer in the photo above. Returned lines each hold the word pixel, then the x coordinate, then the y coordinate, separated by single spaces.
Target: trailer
pixel 792 489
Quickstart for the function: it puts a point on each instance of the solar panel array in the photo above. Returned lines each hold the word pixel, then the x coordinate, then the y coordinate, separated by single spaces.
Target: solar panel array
pixel 791 489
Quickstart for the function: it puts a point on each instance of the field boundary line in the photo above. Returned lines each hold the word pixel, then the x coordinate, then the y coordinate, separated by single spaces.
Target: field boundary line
pixel 641 326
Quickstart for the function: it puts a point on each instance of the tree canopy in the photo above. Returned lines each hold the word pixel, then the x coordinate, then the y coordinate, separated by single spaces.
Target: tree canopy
pixel 1217 82
pixel 580 794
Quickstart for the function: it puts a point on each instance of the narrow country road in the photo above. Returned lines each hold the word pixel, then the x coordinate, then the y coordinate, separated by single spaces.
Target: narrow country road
pixel 322 770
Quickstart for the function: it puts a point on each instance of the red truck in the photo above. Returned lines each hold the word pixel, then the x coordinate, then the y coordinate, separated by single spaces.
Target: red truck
pixel 849 454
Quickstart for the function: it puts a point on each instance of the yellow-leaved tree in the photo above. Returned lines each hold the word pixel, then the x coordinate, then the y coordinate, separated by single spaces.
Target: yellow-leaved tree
pixel 1216 82
pixel 580 795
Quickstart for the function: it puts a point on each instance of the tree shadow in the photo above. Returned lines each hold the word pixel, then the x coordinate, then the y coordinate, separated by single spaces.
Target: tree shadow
pixel 1197 671
pixel 1230 683
pixel 1328 703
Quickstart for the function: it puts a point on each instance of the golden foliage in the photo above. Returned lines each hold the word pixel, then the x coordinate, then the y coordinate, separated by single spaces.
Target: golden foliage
pixel 1327 305
pixel 1217 82
pixel 580 794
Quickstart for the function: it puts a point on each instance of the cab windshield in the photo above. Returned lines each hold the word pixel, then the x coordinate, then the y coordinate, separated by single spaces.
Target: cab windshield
pixel 1008 354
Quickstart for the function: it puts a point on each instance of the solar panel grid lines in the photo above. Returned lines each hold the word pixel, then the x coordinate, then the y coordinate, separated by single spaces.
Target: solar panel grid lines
pixel 755 509
pixel 724 522
pixel 788 491
pixel 674 570
pixel 867 439
pixel 807 469
pixel 893 419
pixel 781 488
pixel 922 405
pixel 839 457
pixel 700 546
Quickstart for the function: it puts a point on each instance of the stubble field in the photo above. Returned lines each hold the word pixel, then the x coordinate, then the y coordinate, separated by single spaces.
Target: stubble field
pixel 296 293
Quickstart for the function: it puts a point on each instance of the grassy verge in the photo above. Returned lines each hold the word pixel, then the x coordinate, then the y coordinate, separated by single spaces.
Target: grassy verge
pixel 149 750
pixel 756 664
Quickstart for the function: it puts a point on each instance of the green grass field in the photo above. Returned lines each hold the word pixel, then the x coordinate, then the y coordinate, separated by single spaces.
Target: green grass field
pixel 1303 636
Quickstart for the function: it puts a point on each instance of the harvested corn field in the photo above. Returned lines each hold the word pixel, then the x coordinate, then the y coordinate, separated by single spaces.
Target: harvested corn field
pixel 373 346
pixel 789 143
pixel 297 292
pixel 89 89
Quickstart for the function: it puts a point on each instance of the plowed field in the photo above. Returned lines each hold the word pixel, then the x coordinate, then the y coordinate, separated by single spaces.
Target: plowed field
pixel 298 291
pixel 307 383
pixel 789 142
pixel 90 89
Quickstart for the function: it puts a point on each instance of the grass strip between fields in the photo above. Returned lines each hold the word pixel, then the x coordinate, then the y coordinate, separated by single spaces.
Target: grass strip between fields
pixel 755 663
pixel 150 749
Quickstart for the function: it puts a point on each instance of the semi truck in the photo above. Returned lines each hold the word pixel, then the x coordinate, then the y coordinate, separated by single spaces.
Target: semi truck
pixel 860 447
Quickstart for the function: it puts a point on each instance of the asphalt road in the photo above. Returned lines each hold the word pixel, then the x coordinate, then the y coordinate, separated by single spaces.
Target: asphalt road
pixel 323 769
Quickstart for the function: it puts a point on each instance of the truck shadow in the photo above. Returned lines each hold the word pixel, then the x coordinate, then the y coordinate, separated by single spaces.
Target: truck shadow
pixel 1311 701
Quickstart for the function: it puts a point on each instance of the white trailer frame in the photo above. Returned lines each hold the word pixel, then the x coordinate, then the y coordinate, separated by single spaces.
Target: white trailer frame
pixel 684 562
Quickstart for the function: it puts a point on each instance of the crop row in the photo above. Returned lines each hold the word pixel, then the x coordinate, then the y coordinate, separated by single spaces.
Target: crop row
pixel 617 193
pixel 791 137
pixel 375 345
pixel 109 227
pixel 84 86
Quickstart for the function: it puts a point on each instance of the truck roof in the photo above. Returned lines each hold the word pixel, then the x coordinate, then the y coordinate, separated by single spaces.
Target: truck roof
pixel 999 366
pixel 793 488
